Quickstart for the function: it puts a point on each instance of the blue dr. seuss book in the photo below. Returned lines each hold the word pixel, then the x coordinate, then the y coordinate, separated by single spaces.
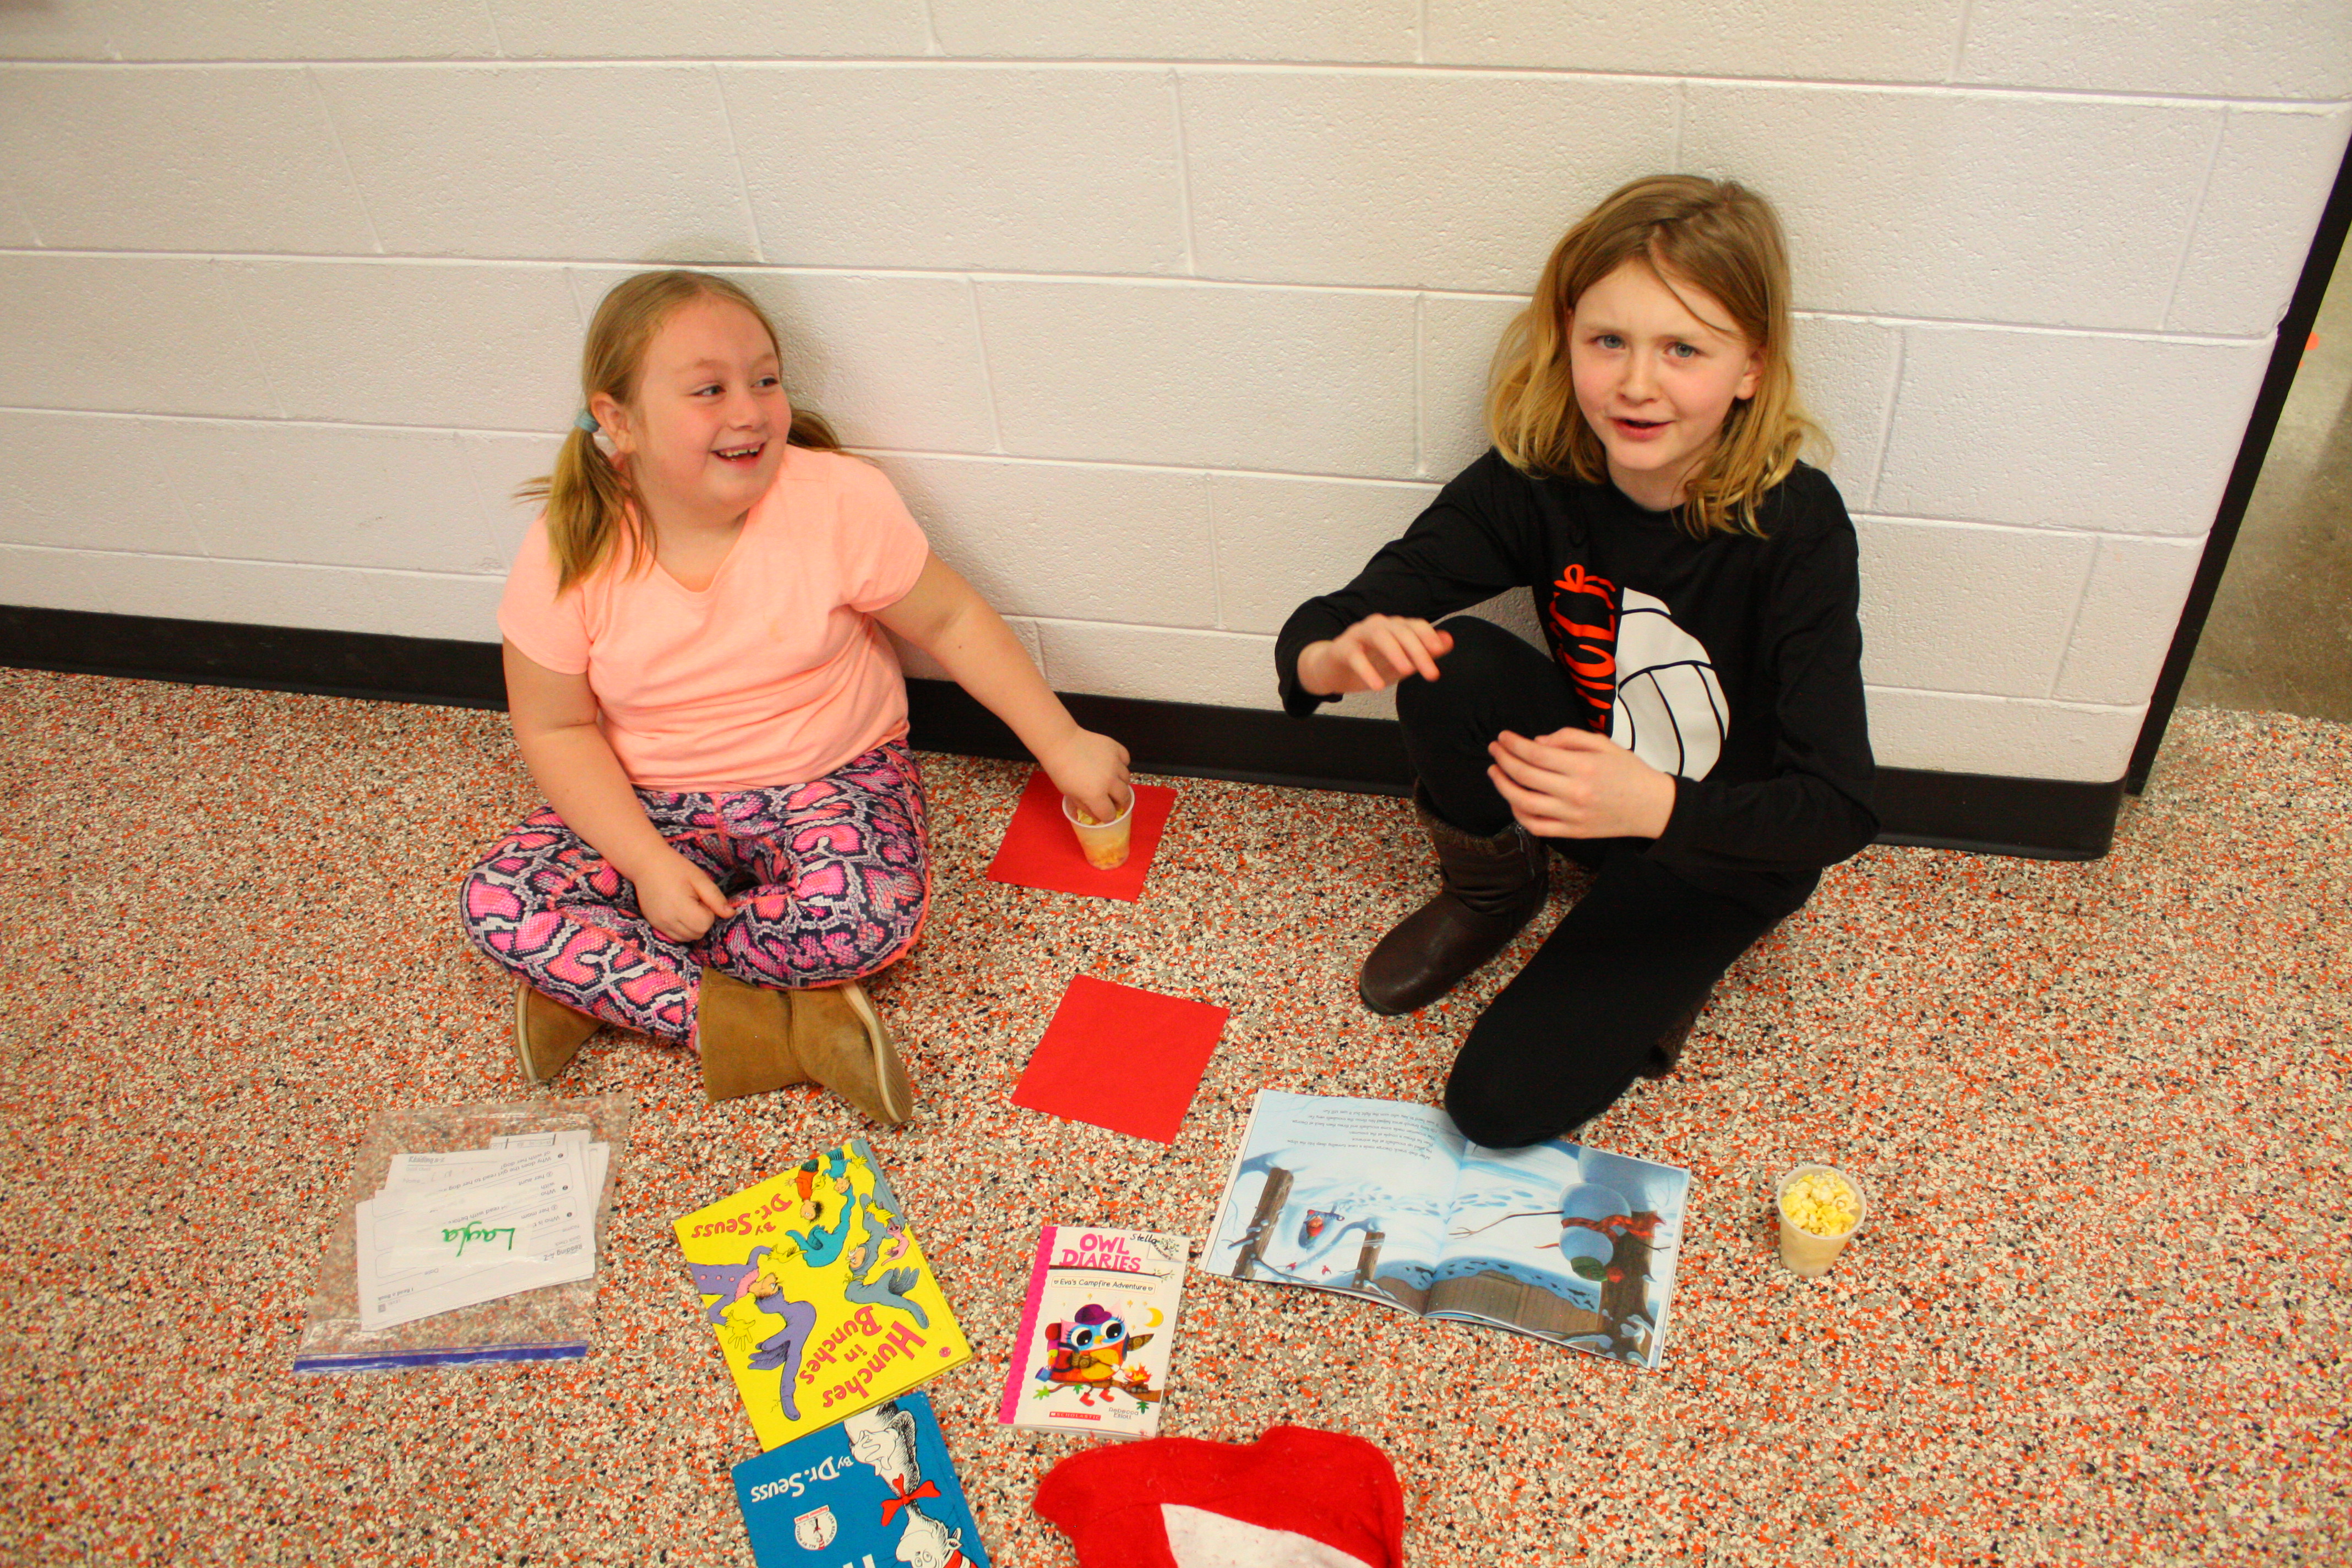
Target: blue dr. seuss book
pixel 872 1492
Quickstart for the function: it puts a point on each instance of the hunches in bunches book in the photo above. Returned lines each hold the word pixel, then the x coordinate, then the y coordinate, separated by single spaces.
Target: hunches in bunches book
pixel 1092 1353
pixel 877 1489
pixel 823 1303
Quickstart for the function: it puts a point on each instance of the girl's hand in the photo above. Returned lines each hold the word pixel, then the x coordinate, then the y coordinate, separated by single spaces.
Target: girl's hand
pixel 1091 770
pixel 1573 783
pixel 1371 655
pixel 680 900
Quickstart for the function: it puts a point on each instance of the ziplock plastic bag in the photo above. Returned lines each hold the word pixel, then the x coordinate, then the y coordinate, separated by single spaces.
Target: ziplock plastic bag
pixel 549 1323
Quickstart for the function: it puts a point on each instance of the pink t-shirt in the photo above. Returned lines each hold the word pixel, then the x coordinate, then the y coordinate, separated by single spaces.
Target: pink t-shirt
pixel 776 673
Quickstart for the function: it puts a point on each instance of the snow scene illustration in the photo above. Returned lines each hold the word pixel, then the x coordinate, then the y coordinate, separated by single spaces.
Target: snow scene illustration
pixel 1387 1201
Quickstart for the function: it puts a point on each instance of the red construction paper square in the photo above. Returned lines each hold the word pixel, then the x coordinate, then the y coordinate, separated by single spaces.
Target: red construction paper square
pixel 1040 850
pixel 1122 1058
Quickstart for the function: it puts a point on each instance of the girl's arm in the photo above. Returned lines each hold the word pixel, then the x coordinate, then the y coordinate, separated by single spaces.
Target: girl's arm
pixel 555 717
pixel 946 617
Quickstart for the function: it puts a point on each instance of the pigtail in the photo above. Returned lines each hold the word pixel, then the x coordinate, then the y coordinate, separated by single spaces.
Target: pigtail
pixel 592 510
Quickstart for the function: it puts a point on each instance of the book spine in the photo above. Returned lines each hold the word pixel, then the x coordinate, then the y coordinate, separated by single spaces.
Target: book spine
pixel 1016 1380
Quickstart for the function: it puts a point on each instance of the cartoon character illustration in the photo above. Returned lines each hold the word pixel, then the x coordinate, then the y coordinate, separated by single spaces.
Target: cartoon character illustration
pixel 819 1246
pixel 1086 1354
pixel 780 1349
pixel 883 1440
pixel 891 1290
pixel 1316 1223
pixel 927 1543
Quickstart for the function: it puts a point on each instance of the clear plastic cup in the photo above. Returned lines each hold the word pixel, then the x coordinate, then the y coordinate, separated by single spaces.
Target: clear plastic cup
pixel 1809 1253
pixel 1105 843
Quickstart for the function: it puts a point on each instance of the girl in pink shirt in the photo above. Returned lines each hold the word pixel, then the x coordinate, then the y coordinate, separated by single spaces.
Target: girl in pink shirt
pixel 699 679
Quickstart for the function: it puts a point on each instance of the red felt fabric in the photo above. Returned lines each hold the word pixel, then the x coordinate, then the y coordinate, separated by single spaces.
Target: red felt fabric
pixel 1326 1485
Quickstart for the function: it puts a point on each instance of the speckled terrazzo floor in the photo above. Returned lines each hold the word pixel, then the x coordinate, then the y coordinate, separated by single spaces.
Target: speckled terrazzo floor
pixel 2100 1315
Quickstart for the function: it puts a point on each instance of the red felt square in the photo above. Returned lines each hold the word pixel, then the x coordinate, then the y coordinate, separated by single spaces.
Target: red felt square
pixel 1121 1059
pixel 1040 851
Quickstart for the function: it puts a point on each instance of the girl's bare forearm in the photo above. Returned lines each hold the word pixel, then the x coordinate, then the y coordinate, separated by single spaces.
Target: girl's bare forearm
pixel 583 780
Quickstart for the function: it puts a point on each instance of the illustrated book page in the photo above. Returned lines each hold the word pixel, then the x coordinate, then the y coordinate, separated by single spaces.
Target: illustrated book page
pixel 1092 1352
pixel 1343 1194
pixel 822 1299
pixel 1568 1244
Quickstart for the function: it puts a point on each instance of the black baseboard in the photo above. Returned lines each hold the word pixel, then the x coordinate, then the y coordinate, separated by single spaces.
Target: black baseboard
pixel 2043 818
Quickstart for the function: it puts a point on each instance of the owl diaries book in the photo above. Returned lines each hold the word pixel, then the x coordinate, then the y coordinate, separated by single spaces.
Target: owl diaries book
pixel 821 1298
pixel 1390 1202
pixel 1092 1352
pixel 875 1489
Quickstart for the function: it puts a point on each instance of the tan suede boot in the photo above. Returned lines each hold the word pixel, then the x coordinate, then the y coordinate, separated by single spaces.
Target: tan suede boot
pixel 842 1044
pixel 546 1033
pixel 744 1037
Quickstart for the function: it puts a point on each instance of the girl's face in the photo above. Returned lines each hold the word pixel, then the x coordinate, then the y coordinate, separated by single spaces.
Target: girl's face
pixel 1654 380
pixel 704 432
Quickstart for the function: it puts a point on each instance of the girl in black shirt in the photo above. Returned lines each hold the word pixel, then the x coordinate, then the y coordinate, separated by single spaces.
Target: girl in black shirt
pixel 1696 735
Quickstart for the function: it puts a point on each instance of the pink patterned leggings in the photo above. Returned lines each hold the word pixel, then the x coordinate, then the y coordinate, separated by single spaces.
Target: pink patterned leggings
pixel 829 881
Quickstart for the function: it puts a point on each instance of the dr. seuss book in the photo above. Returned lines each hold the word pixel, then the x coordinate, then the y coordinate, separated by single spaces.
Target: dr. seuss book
pixel 877 1489
pixel 1390 1202
pixel 822 1299
pixel 1092 1353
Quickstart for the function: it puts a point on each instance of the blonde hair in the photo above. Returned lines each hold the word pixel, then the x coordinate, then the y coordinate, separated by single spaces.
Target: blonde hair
pixel 593 512
pixel 1709 233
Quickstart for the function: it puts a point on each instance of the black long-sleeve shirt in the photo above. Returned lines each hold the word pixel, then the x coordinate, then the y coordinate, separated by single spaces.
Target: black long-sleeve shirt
pixel 1636 612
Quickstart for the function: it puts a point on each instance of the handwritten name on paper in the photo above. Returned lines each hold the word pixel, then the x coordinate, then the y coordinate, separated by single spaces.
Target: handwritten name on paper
pixel 469 1232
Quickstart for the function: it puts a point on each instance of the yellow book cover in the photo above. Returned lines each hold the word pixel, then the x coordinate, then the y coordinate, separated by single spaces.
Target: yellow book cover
pixel 822 1301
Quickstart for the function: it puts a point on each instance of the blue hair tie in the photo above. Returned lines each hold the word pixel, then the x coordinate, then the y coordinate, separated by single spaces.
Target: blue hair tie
pixel 587 421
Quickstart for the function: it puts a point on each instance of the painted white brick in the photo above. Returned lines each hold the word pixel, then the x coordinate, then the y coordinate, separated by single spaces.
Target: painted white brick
pixel 2128 615
pixel 1052 171
pixel 2297 48
pixel 325 495
pixel 1457 350
pixel 2063 211
pixel 49 579
pixel 1283 540
pixel 1984 610
pixel 921 666
pixel 1844 371
pixel 299 30
pixel 396 342
pixel 1303 31
pixel 91 482
pixel 1195 375
pixel 1216 667
pixel 1070 541
pixel 135 333
pixel 2260 208
pixel 891 361
pixel 709 29
pixel 1951 733
pixel 227 158
pixel 495 465
pixel 1868 40
pixel 620 161
pixel 278 594
pixel 2104 434
pixel 1404 178
pixel 16 229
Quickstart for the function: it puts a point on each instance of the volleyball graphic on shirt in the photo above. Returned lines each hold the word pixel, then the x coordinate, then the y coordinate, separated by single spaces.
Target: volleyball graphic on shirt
pixel 1669 709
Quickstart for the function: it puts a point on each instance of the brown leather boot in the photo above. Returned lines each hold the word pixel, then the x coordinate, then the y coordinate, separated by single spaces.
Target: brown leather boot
pixel 546 1033
pixel 754 1041
pixel 744 1037
pixel 842 1044
pixel 1491 888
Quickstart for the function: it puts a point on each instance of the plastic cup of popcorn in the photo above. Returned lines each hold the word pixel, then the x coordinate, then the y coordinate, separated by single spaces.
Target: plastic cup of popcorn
pixel 1821 1209
pixel 1105 843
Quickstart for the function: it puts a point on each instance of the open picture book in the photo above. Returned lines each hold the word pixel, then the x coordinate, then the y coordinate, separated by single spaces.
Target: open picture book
pixel 1387 1201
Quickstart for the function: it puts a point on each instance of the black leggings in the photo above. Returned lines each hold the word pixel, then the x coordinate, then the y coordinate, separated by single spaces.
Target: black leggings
pixel 1569 1034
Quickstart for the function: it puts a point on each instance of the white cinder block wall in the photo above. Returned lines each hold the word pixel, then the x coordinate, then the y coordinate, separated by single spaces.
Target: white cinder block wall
pixel 1161 316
